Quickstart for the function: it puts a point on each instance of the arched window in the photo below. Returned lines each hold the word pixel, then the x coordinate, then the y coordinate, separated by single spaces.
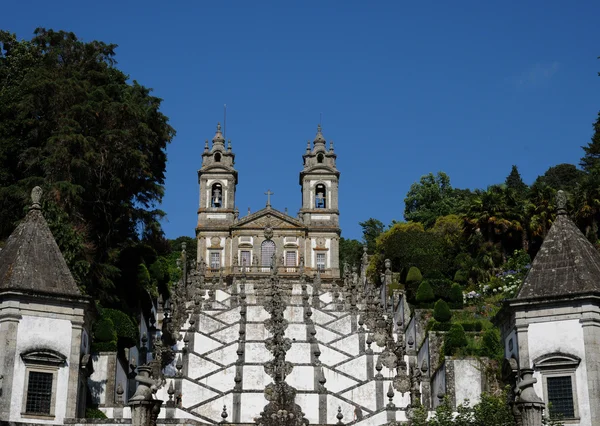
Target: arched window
pixel 267 251
pixel 216 195
pixel 320 196
pixel 320 158
pixel 559 384
pixel 217 158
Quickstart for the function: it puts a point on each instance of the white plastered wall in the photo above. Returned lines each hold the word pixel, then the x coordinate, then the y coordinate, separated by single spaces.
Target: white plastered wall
pixel 41 333
pixel 567 337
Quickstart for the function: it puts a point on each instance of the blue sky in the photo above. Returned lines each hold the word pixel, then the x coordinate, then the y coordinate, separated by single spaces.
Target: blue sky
pixel 404 89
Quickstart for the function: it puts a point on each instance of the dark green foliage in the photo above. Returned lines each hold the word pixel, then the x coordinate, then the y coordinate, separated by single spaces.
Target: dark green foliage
pixel 73 123
pixel 491 345
pixel 515 182
pixel 441 287
pixel 472 325
pixel 434 325
pixel 104 330
pixel 94 413
pixel 372 228
pixel 562 176
pixel 413 275
pixel 461 276
pixel 429 199
pixel 425 293
pixel 456 296
pixel 350 253
pixel 441 311
pixel 125 328
pixel 454 339
pixel 591 159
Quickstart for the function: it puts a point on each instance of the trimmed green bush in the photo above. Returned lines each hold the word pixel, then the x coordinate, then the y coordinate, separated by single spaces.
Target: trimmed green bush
pixel 472 325
pixel 461 276
pixel 94 413
pixel 104 330
pixel 414 275
pixel 456 296
pixel 439 326
pixel 441 311
pixel 127 331
pixel 441 287
pixel 425 293
pixel 491 346
pixel 455 339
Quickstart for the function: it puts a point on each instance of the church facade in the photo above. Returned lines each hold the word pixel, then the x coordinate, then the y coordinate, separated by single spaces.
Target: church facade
pixel 229 244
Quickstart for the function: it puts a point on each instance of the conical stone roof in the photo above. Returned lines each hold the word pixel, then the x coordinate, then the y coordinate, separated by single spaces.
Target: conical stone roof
pixel 31 260
pixel 567 263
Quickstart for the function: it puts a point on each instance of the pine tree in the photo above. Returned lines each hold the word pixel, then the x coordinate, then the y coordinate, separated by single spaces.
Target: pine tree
pixel 591 160
pixel 514 181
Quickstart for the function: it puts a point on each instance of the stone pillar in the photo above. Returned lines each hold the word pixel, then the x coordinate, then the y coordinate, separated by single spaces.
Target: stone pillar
pixel 74 361
pixel 369 352
pixel 145 413
pixel 9 324
pixel 379 386
pixel 523 345
pixel 591 343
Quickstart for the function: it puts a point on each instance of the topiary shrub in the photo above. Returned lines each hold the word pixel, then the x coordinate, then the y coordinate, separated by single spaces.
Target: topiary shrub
pixel 441 311
pixel 455 339
pixel 94 413
pixel 413 275
pixel 441 287
pixel 476 325
pixel 434 325
pixel 456 296
pixel 425 293
pixel 126 329
pixel 461 276
pixel 104 330
pixel 491 345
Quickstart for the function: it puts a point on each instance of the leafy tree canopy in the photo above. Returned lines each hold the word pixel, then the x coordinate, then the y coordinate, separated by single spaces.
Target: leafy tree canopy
pixel 372 228
pixel 432 197
pixel 73 123
pixel 562 176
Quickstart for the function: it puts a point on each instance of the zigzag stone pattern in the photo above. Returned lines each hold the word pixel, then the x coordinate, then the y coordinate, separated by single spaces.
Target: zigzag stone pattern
pixel 336 367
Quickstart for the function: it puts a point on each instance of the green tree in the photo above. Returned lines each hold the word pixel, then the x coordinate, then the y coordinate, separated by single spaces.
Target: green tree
pixel 562 176
pixel 372 228
pixel 429 199
pixel 350 253
pixel 515 182
pixel 425 293
pixel 591 159
pixel 73 123
pixel 441 311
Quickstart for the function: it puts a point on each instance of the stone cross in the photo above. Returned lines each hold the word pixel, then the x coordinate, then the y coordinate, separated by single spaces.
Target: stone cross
pixel 268 194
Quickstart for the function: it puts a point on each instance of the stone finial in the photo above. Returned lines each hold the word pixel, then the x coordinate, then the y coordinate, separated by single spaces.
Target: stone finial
pixel 206 145
pixel 308 147
pixel 561 202
pixel 228 145
pixel 339 416
pixel 120 391
pixel 224 414
pixel 331 146
pixel 36 196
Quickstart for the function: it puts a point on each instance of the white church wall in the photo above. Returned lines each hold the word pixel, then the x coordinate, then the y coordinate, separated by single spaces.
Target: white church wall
pixel 467 380
pixel 97 380
pixel 41 333
pixel 567 337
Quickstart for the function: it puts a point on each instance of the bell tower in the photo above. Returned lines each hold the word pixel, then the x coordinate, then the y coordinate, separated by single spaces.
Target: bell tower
pixel 217 179
pixel 319 180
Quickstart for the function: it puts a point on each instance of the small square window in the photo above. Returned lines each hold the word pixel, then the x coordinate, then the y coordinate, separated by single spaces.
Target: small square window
pixel 560 396
pixel 39 393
